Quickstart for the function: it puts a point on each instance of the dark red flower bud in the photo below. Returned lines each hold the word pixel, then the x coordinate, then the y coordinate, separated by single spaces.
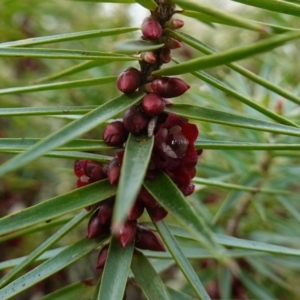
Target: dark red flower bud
pixel 127 233
pixel 175 24
pixel 187 189
pixel 106 210
pixel 167 87
pixel 129 80
pixel 157 213
pixel 148 240
pixel 115 134
pixel 95 228
pixel 136 211
pixel 149 57
pixel 147 198
pixel 102 257
pixel 170 42
pixel 199 152
pixel 134 120
pixel 95 171
pixel 153 105
pixel 151 29
pixel 82 181
pixel 165 55
pixel 79 167
pixel 113 171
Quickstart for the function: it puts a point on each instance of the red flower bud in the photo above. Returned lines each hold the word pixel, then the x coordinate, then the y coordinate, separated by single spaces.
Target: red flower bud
pixel 129 80
pixel 95 228
pixel 113 171
pixel 147 198
pixel 82 181
pixel 187 189
pixel 102 257
pixel 167 87
pixel 136 211
pixel 165 55
pixel 134 120
pixel 153 105
pixel 115 134
pixel 151 29
pixel 175 24
pixel 95 171
pixel 149 57
pixel 79 167
pixel 157 213
pixel 127 233
pixel 106 210
pixel 148 240
pixel 171 43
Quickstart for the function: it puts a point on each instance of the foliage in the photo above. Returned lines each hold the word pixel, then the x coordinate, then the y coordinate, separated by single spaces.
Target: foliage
pixel 235 237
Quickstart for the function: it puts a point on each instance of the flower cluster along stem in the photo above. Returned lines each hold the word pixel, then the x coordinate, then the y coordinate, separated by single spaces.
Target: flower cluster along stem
pixel 174 137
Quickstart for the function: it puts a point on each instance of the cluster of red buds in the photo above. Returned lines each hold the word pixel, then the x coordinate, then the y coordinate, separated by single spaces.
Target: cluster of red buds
pixel 174 151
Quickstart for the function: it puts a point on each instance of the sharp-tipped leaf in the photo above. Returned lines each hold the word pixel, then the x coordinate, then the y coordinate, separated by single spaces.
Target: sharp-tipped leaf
pixel 68 37
pixel 220 117
pixel 57 206
pixel 72 130
pixel 176 295
pixel 144 274
pixel 181 260
pixel 149 4
pixel 135 163
pixel 116 270
pixel 228 56
pixel 51 266
pixel 59 85
pixel 136 46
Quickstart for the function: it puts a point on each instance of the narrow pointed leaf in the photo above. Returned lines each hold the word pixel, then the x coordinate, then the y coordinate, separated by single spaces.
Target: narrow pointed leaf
pixel 72 130
pixel 136 46
pixel 116 270
pixel 44 246
pixel 181 260
pixel 225 145
pixel 57 206
pixel 225 282
pixel 289 206
pixel 145 274
pixel 248 180
pixel 220 117
pixel 107 1
pixel 63 54
pixel 149 4
pixel 176 295
pixel 51 266
pixel 243 71
pixel 167 194
pixel 225 185
pixel 228 56
pixel 135 163
pixel 282 7
pixel 84 288
pixel 230 18
pixel 68 37
pixel 59 85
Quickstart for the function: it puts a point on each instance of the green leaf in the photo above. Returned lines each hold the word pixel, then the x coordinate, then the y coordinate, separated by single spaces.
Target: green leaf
pixel 137 155
pixel 72 130
pixel 223 87
pixel 144 275
pixel 290 207
pixel 167 194
pixel 176 295
pixel 181 260
pixel 10 144
pixel 149 4
pixel 230 186
pixel 63 54
pixel 136 46
pixel 282 7
pixel 226 145
pixel 51 266
pixel 228 56
pixel 243 71
pixel 116 270
pixel 44 246
pixel 219 14
pixel 107 1
pixel 220 117
pixel 84 288
pixel 249 180
pixel 225 281
pixel 59 85
pixel 57 206
pixel 69 37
